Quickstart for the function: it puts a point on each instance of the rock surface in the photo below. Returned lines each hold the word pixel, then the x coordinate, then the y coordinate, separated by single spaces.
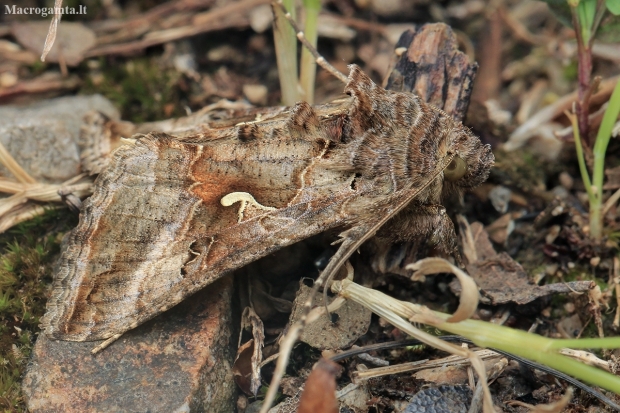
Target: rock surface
pixel 43 137
pixel 178 362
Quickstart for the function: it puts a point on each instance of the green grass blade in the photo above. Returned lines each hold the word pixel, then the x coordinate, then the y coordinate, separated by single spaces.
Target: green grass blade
pixel 308 63
pixel 286 54
pixel 604 135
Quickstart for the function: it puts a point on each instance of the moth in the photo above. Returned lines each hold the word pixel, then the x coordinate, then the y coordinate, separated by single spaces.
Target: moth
pixel 171 214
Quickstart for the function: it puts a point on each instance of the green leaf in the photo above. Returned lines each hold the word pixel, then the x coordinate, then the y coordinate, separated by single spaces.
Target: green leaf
pixel 586 11
pixel 609 30
pixel 561 10
pixel 613 6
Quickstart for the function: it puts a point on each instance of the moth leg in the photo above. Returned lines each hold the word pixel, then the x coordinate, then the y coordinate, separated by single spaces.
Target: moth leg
pixel 424 226
pixel 105 344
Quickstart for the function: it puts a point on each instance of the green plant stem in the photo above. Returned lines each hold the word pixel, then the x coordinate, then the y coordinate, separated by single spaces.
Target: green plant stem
pixel 538 349
pixel 286 53
pixel 527 345
pixel 604 136
pixel 584 68
pixel 585 176
pixel 308 62
pixel 600 149
pixel 587 15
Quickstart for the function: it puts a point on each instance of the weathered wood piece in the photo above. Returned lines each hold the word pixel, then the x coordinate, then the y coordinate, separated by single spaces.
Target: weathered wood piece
pixel 432 67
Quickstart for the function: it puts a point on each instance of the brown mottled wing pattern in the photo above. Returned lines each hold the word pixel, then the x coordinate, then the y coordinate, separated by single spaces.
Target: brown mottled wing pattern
pixel 156 230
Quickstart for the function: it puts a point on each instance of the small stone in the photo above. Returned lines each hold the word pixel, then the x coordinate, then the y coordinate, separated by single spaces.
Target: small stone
pixel 43 137
pixel 256 94
pixel 261 18
pixel 560 192
pixel 566 180
pixel 331 28
pixel 552 234
pixel 551 269
pixel 500 198
pixel 558 210
pixel 8 79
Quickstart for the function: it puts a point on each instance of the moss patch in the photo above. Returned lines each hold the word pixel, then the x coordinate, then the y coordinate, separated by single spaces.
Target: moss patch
pixel 140 88
pixel 27 255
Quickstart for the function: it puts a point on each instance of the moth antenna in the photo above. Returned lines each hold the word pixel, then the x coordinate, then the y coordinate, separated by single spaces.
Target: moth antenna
pixel 320 60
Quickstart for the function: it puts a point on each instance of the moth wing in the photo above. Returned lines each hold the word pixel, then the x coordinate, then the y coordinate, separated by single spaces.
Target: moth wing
pixel 155 231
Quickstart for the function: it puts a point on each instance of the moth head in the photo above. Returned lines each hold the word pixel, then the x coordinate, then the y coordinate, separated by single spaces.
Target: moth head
pixel 471 162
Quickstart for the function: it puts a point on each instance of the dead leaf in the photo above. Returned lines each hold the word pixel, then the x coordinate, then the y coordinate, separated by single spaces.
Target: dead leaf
pixel 242 368
pixel 613 178
pixel 319 394
pixel 500 229
pixel 72 40
pixel 352 322
pixel 354 397
pixel 501 279
pixel 246 368
pixel 469 290
pixel 570 327
pixel 500 198
pixel 265 304
pixel 484 247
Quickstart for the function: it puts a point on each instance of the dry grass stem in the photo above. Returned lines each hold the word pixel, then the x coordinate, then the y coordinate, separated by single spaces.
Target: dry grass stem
pixel 586 357
pixel 616 286
pixel 286 347
pixel 454 360
pixel 530 128
pixel 52 31
pixel 469 245
pixel 555 407
pixel 11 164
pixel 610 202
pixel 224 17
pixel 14 209
pixel 23 213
